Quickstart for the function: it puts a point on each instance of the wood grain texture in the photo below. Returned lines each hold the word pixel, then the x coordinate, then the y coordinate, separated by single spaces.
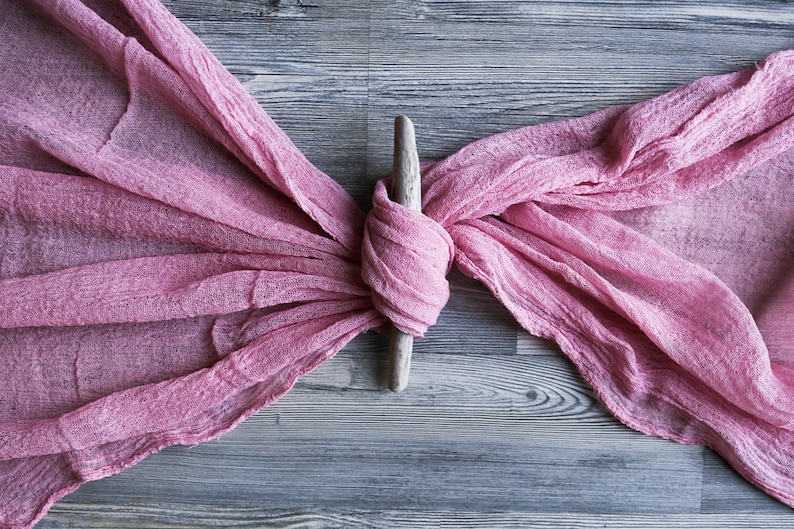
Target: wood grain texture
pixel 470 433
pixel 175 516
pixel 496 428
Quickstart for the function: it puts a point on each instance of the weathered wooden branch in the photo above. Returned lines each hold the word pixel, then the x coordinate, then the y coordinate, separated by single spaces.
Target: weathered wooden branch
pixel 406 190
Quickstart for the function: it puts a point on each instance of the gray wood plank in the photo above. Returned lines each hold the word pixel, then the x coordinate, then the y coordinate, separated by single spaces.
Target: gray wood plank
pixel 321 37
pixel 464 70
pixel 725 491
pixel 174 516
pixel 445 476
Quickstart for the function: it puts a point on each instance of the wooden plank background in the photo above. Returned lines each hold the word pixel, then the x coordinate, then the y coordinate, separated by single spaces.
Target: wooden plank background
pixel 496 428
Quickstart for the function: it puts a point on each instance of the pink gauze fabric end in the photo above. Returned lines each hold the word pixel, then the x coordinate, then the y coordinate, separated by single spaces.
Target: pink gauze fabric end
pixel 171 262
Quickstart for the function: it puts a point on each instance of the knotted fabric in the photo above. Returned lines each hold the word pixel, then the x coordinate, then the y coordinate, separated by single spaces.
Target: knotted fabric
pixel 405 259
pixel 170 262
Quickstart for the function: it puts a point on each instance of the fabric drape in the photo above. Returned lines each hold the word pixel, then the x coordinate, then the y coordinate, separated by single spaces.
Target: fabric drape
pixel 170 262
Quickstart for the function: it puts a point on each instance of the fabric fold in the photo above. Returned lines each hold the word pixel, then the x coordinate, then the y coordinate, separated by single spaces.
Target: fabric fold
pixel 405 260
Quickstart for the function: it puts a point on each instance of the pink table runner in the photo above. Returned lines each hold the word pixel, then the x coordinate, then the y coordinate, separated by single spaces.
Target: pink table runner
pixel 170 262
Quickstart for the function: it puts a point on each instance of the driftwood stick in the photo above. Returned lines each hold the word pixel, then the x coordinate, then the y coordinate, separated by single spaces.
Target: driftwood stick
pixel 406 190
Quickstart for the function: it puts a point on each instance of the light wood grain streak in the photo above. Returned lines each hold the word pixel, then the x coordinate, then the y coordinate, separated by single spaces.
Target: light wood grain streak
pixel 526 344
pixel 450 475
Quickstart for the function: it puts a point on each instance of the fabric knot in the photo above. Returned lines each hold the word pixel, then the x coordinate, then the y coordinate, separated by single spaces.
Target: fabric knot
pixel 405 260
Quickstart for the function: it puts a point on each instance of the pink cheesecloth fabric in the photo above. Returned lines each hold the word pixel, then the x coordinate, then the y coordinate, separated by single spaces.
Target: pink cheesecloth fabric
pixel 170 262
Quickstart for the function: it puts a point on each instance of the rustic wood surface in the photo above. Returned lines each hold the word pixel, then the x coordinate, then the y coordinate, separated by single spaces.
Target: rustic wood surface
pixel 496 429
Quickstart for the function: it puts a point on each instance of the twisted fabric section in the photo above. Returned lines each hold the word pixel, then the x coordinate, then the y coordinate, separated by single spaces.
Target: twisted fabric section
pixel 405 258
pixel 172 263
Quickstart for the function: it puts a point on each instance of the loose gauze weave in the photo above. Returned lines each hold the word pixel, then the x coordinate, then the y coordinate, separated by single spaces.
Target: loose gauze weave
pixel 171 263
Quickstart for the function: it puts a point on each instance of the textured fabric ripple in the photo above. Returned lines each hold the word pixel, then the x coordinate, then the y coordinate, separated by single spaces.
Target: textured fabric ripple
pixel 405 259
